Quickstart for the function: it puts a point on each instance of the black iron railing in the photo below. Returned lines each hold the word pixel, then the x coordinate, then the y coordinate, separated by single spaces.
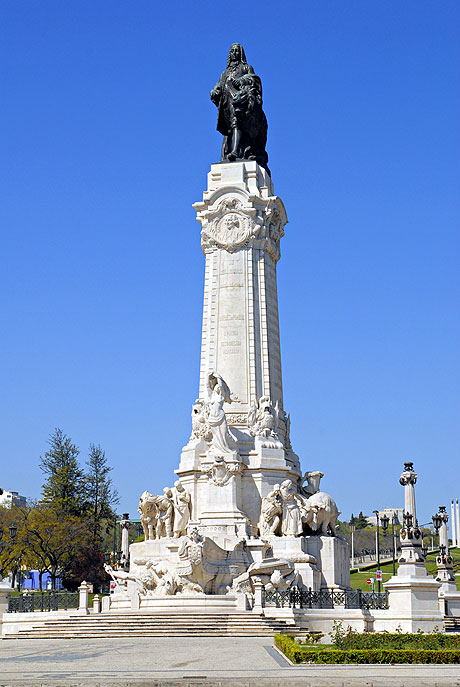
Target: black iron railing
pixel 326 598
pixel 42 601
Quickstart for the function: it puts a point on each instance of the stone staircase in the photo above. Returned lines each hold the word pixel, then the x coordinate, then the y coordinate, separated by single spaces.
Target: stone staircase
pixel 109 625
pixel 452 624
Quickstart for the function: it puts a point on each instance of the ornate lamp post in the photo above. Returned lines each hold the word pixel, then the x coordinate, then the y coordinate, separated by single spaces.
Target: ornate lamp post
pixel 443 533
pixel 377 545
pixel 393 541
pixel 385 520
pixel 444 565
pixel 352 530
pixel 437 521
pixel 125 524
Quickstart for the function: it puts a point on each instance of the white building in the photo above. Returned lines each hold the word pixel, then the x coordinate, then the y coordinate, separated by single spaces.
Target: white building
pixel 398 512
pixel 11 498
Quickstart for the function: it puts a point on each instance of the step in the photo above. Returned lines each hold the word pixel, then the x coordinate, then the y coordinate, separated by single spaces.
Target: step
pixel 131 624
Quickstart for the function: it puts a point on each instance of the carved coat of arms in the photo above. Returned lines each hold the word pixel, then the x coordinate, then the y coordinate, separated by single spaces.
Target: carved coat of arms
pixel 231 228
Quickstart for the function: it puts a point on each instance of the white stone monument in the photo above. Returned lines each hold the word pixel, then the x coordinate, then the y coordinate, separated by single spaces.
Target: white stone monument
pixel 240 501
pixel 240 513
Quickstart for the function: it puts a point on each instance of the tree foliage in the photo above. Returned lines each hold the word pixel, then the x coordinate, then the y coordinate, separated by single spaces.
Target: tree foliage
pixel 63 487
pixel 101 497
pixel 361 521
pixel 66 533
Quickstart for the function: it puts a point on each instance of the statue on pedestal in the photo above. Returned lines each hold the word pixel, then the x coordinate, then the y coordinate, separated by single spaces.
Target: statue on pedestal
pixel 241 120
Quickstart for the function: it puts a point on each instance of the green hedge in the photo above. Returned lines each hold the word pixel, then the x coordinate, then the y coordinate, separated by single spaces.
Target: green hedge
pixel 327 654
pixel 398 640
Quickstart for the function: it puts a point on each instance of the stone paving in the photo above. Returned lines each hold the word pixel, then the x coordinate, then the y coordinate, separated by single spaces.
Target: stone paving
pixel 185 661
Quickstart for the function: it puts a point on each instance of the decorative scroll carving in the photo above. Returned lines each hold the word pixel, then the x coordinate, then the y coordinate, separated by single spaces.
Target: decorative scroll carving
pixel 237 418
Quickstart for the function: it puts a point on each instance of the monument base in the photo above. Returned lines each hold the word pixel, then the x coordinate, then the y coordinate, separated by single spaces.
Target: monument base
pixel 413 602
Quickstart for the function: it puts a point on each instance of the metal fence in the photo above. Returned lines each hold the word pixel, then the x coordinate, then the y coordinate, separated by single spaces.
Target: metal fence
pixel 326 598
pixel 42 601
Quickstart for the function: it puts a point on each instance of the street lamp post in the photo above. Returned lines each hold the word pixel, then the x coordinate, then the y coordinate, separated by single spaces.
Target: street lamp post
pixel 437 522
pixel 378 547
pixel 393 541
pixel 352 530
pixel 385 520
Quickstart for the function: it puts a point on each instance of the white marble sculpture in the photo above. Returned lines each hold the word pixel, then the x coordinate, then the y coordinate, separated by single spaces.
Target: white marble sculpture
pixel 223 442
pixel 166 514
pixel 313 480
pixel 148 511
pixel 270 513
pixel 200 424
pixel 263 421
pixel 181 503
pixel 273 573
pixel 239 479
pixel 293 510
pixel 321 513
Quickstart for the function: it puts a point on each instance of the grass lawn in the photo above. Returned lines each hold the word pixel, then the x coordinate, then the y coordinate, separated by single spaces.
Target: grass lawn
pixel 358 579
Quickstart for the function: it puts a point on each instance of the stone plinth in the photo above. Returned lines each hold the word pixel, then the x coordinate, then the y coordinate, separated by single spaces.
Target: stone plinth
pixel 322 561
pixel 413 601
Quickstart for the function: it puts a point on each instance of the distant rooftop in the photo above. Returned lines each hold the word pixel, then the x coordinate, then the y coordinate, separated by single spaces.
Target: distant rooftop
pixel 11 498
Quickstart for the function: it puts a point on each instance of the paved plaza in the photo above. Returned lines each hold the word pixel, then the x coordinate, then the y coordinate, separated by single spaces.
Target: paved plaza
pixel 191 661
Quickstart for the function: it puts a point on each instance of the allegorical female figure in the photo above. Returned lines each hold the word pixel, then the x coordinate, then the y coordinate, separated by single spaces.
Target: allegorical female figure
pixel 223 442
pixel 241 119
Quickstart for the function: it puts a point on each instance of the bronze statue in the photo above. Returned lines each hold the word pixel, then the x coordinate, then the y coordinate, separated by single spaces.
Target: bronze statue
pixel 241 120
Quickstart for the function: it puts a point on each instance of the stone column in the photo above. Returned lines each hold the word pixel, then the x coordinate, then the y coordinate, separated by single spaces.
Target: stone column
pixel 452 523
pixel 258 595
pixel 96 604
pixel 408 480
pixel 443 533
pixel 457 522
pixel 125 524
pixel 83 591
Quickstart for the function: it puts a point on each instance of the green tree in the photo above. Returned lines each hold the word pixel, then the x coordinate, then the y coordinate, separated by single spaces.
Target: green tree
pixel 63 487
pixel 52 539
pixel 101 497
pixel 361 521
pixel 10 551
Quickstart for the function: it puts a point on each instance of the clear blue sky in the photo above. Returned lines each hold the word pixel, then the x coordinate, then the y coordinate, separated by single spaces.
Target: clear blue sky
pixel 108 133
